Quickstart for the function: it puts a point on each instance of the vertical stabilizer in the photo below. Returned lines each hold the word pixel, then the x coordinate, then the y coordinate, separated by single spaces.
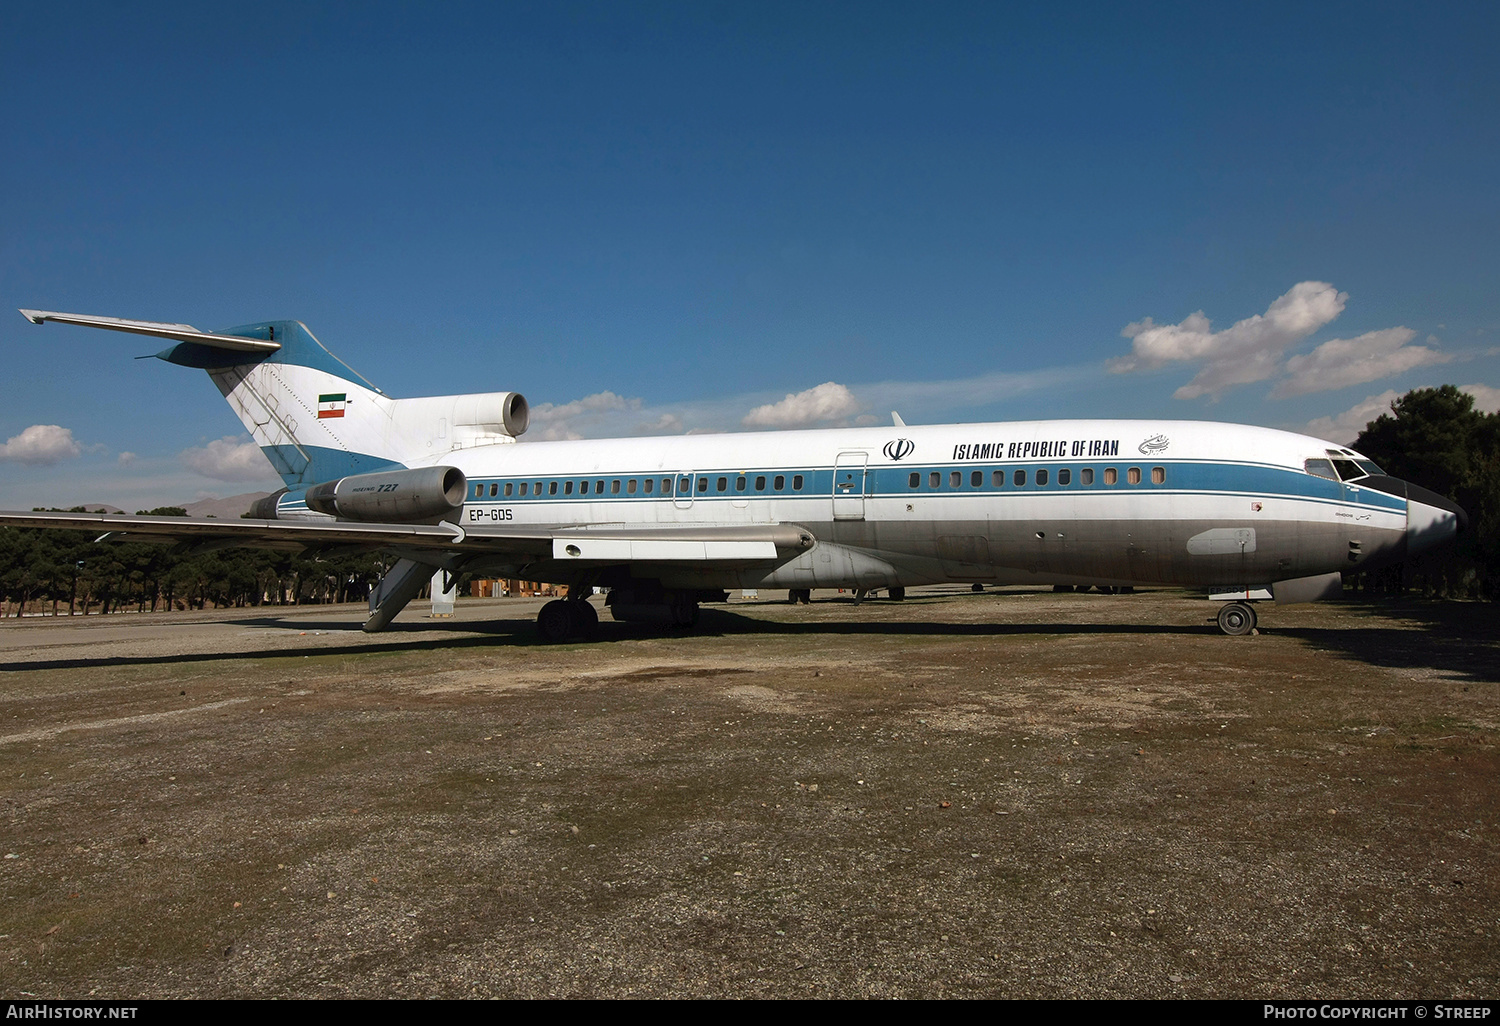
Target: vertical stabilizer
pixel 314 417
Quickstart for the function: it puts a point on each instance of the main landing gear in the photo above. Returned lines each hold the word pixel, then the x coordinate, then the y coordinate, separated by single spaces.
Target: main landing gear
pixel 1237 618
pixel 562 619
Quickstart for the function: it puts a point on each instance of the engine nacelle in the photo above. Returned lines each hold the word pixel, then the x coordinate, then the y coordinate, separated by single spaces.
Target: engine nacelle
pixel 391 496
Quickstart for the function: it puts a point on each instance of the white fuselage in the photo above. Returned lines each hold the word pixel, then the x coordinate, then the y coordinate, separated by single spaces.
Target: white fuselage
pixel 1192 503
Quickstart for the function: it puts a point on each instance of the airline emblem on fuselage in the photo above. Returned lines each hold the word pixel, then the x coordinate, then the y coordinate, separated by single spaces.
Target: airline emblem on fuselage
pixel 1154 445
pixel 899 448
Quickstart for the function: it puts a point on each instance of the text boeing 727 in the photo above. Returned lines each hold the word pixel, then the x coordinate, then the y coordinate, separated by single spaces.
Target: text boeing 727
pixel 664 523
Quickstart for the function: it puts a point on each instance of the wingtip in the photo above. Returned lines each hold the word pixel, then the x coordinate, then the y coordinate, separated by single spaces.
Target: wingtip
pixel 34 316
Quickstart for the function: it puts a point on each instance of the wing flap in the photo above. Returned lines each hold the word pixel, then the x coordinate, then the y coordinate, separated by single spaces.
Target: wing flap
pixel 659 550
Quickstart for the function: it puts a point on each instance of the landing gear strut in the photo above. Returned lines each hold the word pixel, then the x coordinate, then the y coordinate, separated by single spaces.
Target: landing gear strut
pixel 1237 618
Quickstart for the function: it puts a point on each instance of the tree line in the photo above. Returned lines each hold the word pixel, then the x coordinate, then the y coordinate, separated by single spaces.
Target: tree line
pixel 58 571
pixel 1434 437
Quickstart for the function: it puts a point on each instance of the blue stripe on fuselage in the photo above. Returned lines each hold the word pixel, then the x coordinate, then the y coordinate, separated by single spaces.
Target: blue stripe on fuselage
pixel 894 482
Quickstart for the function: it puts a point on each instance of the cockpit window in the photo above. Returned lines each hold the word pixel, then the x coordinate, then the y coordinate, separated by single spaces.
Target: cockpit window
pixel 1349 464
pixel 1320 468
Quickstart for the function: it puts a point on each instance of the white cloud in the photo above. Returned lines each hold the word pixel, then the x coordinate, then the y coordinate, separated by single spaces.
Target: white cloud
pixel 125 459
pixel 940 397
pixel 228 459
pixel 1341 362
pixel 828 401
pixel 666 424
pixel 1247 351
pixel 554 421
pixel 607 415
pixel 1345 426
pixel 1486 399
pixel 41 445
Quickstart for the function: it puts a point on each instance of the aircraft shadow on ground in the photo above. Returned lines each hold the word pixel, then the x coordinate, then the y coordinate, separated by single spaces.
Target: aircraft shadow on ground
pixel 522 633
pixel 1459 638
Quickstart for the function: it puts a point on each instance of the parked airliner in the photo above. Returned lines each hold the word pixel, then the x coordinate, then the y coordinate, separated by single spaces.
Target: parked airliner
pixel 1246 513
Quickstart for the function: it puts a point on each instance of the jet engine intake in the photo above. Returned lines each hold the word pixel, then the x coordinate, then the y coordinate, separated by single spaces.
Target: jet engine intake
pixel 392 496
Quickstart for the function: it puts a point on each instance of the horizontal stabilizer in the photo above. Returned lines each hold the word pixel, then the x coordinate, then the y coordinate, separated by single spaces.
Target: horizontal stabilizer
pixel 176 332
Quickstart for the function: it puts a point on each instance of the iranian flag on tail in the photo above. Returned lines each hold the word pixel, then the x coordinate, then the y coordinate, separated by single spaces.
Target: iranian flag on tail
pixel 331 405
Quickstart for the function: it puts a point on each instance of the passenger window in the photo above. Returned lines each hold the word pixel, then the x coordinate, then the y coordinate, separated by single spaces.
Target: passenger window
pixel 1018 478
pixel 934 480
pixel 915 480
pixel 538 489
pixel 1086 476
pixel 779 483
pixel 478 490
pixel 649 483
pixel 976 479
pixel 567 487
pixel 760 483
pixel 796 482
pixel 740 483
pixel 997 478
pixel 523 487
pixel 723 483
pixel 1133 475
pixel 1158 475
pixel 1041 477
pixel 955 478
pixel 551 487
pixel 614 487
pixel 494 490
pixel 1111 475
pixel 1064 476
pixel 702 485
pixel 630 486
pixel 507 489
pixel 666 484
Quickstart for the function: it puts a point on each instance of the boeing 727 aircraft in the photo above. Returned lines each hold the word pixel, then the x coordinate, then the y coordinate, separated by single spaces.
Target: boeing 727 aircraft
pixel 1245 513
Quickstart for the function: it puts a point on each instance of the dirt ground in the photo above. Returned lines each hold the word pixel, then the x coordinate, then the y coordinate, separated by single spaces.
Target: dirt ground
pixel 1005 794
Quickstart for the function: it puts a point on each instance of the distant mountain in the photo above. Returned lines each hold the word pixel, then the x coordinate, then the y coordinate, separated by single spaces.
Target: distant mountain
pixel 231 508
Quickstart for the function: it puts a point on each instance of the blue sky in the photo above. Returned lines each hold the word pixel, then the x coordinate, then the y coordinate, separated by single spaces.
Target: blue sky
pixel 669 216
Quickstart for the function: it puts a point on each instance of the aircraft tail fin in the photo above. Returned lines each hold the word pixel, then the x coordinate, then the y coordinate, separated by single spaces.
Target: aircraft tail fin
pixel 315 417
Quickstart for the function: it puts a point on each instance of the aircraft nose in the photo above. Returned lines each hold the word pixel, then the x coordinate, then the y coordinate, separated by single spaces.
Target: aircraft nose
pixel 1431 519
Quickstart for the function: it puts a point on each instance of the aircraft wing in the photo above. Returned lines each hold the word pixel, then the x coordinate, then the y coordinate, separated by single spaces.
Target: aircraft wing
pixel 713 546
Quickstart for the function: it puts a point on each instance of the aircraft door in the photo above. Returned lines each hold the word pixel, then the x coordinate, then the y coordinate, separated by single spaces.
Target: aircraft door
pixel 849 477
pixel 682 490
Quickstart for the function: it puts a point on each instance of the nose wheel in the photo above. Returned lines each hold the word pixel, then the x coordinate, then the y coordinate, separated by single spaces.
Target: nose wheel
pixel 1237 618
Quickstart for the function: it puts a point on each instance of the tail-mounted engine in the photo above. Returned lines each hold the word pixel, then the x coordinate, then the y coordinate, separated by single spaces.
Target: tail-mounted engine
pixel 391 496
